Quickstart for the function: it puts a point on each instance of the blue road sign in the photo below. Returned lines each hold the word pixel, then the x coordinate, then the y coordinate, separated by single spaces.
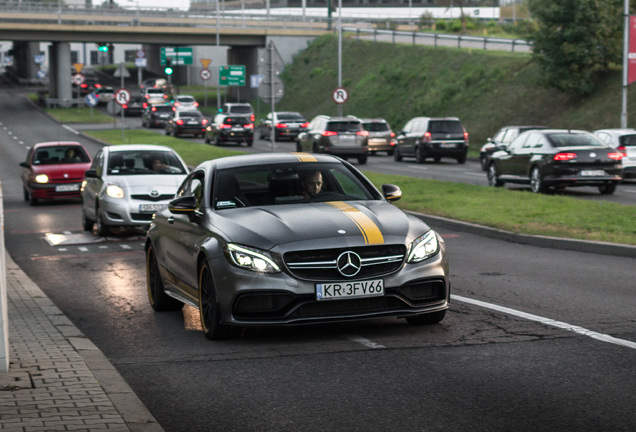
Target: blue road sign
pixel 91 100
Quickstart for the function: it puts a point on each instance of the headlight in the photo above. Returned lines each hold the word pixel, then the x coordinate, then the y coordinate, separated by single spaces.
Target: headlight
pixel 114 191
pixel 425 246
pixel 250 259
pixel 42 178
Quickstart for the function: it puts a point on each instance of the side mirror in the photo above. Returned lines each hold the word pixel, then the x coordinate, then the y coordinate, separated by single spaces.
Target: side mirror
pixel 183 205
pixel 91 173
pixel 391 192
pixel 24 165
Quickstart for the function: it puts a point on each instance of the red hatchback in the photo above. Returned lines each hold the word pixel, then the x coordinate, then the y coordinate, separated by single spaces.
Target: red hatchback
pixel 54 170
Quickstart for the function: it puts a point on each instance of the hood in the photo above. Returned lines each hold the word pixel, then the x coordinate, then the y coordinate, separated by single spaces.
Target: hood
pixel 319 225
pixel 62 172
pixel 144 184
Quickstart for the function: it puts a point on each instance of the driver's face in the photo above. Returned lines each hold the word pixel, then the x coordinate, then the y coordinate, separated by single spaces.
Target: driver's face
pixel 313 183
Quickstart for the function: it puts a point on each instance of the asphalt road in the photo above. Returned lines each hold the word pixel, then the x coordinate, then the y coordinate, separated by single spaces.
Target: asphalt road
pixel 480 369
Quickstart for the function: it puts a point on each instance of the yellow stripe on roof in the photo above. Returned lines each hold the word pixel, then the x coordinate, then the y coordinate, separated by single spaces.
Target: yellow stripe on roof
pixel 369 230
pixel 305 157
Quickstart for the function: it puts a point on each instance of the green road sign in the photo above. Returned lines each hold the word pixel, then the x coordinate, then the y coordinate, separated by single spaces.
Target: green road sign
pixel 177 55
pixel 232 75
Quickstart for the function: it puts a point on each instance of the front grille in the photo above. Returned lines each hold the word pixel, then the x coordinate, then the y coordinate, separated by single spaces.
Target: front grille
pixel 285 306
pixel 141 216
pixel 152 198
pixel 320 265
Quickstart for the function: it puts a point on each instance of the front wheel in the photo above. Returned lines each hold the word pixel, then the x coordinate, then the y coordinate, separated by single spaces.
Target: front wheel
pixel 362 160
pixel 419 156
pixel 102 228
pixel 87 224
pixel 536 181
pixel 157 297
pixel 493 176
pixel 396 155
pixel 209 309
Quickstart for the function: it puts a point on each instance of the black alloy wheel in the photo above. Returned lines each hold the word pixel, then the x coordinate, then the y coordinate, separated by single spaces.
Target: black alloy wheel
pixel 536 181
pixel 493 176
pixel 209 309
pixel 157 296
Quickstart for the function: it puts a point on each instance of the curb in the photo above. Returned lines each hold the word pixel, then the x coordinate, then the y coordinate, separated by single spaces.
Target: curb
pixel 586 246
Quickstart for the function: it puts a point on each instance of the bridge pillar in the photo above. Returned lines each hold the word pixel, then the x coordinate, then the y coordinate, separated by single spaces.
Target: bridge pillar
pixel 24 59
pixel 60 84
pixel 247 56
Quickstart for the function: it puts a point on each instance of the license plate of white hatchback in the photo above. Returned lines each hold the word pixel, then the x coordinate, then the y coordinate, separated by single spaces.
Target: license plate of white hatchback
pixel 349 289
pixel 592 173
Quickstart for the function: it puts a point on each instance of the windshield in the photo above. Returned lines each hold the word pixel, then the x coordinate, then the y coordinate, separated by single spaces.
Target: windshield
pixel 240 109
pixel 144 162
pixel 446 126
pixel 293 183
pixel 376 126
pixel 344 126
pixel 60 155
pixel 190 114
pixel 288 117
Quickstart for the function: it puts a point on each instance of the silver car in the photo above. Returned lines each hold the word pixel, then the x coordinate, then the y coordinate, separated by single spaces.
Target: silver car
pixel 127 184
pixel 623 140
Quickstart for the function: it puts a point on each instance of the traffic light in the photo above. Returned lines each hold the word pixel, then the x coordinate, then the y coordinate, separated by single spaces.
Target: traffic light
pixel 102 47
pixel 168 70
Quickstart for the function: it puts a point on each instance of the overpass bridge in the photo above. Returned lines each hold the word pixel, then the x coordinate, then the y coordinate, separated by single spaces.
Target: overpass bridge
pixel 28 24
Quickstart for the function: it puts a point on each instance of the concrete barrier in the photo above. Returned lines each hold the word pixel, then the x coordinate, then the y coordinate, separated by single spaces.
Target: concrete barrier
pixel 4 315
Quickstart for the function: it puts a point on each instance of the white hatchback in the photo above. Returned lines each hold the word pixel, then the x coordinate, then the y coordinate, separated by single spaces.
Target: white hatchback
pixel 623 140
pixel 127 184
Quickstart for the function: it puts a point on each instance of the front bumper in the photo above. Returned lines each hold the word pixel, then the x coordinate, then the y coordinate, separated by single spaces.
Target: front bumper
pixel 54 190
pixel 127 212
pixel 249 298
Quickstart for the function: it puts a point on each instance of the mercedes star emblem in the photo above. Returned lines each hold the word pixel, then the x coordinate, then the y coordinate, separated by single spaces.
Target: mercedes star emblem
pixel 349 263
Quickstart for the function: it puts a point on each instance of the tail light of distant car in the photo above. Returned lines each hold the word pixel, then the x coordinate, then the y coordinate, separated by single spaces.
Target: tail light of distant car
pixel 427 137
pixel 281 125
pixel 252 118
pixel 305 125
pixel 623 150
pixel 616 155
pixel 147 96
pixel 145 105
pixel 84 85
pixel 196 104
pixel 363 133
pixel 98 86
pixel 204 122
pixel 165 96
pixel 124 106
pixel 153 109
pixel 180 122
pixel 176 104
pixel 466 136
pixel 329 133
pixel 225 126
pixel 249 126
pixel 392 134
pixel 561 157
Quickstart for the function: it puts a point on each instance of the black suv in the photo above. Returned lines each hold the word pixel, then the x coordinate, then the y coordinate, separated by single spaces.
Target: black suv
pixel 230 128
pixel 426 137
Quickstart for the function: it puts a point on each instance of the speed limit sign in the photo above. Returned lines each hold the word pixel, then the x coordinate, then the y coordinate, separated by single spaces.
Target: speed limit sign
pixel 205 74
pixel 122 96
pixel 340 95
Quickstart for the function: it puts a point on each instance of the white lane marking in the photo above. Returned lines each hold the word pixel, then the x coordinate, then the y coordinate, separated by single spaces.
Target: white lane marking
pixel 366 342
pixel 475 174
pixel 83 249
pixel 630 190
pixel 125 246
pixel 68 128
pixel 548 321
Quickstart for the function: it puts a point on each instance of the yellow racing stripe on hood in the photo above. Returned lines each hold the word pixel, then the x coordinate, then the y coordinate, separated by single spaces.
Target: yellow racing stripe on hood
pixel 305 157
pixel 369 230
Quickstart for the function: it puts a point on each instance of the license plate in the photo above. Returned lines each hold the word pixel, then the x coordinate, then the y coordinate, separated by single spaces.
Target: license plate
pixel 447 145
pixel 592 173
pixel 151 207
pixel 350 289
pixel 67 188
pixel 237 129
pixel 192 122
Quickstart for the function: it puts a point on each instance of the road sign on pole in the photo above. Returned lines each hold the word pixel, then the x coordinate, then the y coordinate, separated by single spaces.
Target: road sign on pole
pixel 232 75
pixel 122 96
pixel 178 55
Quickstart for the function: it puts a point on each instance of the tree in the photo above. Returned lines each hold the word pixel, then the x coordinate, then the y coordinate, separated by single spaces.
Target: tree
pixel 575 41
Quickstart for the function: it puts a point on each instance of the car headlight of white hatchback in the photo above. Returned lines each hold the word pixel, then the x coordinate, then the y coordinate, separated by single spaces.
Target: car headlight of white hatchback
pixel 250 259
pixel 425 246
pixel 114 191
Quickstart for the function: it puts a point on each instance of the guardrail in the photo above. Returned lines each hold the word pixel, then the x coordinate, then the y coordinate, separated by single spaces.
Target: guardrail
pixel 400 36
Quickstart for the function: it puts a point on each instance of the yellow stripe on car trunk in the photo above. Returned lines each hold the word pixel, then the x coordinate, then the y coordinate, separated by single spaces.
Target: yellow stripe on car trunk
pixel 305 157
pixel 369 230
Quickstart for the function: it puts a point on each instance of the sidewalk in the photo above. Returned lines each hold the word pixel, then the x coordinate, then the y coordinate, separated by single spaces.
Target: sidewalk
pixel 59 380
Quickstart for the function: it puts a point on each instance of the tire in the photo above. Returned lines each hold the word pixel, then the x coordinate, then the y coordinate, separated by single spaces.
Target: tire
pixel 484 163
pixel 299 148
pixel 430 318
pixel 419 157
pixel 26 194
pixel 157 297
pixel 207 139
pixel 462 159
pixel 217 141
pixel 536 181
pixel 607 189
pixel 493 176
pixel 390 152
pixel 250 143
pixel 209 309
pixel 32 200
pixel 167 133
pixel 87 224
pixel 102 229
pixel 362 160
pixel 396 155
pixel 437 159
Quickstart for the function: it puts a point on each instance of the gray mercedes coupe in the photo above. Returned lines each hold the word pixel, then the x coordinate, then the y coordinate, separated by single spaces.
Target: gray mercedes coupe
pixel 288 239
